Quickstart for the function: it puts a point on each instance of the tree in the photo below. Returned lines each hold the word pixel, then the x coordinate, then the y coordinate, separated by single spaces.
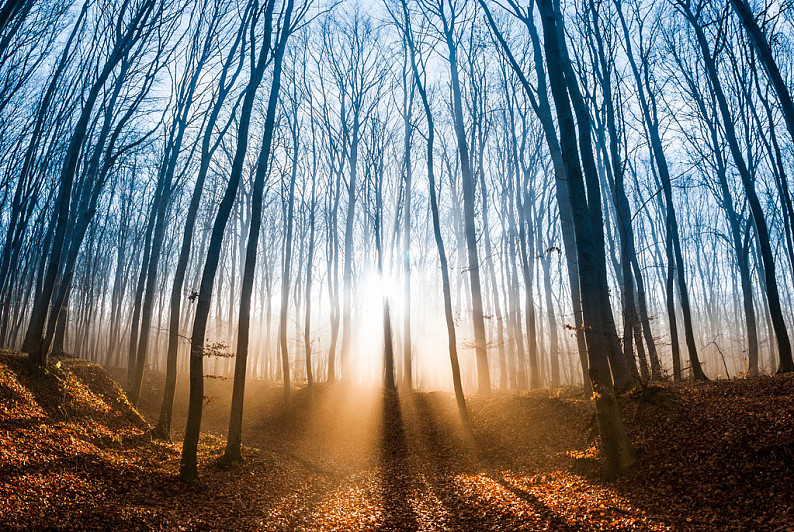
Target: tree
pixel 198 54
pixel 258 63
pixel 542 109
pixel 136 21
pixel 449 14
pixel 765 54
pixel 419 78
pixel 232 454
pixel 761 228
pixel 618 449
pixel 230 71
pixel 675 260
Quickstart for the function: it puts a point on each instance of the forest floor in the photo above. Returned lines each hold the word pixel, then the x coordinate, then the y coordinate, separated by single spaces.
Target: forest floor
pixel 75 454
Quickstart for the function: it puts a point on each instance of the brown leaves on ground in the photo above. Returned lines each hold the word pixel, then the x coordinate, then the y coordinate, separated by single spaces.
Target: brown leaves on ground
pixel 718 455
pixel 713 456
pixel 75 454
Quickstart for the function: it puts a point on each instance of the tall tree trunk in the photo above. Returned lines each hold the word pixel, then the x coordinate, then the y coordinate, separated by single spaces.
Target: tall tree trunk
pixel 622 208
pixel 232 454
pixel 347 272
pixel 307 328
pixel 618 449
pixel 648 107
pixel 467 179
pixel 139 288
pixel 163 428
pixel 188 467
pixel 33 343
pixel 542 108
pixel 408 100
pixel 285 275
pixel 450 318
pixel 333 272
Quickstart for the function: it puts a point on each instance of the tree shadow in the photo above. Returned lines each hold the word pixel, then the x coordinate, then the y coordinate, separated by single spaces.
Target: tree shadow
pixel 453 472
pixel 550 516
pixel 397 482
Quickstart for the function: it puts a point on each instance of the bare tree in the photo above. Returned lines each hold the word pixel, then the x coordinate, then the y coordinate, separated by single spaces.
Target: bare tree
pixel 137 20
pixel 259 58
pixel 449 14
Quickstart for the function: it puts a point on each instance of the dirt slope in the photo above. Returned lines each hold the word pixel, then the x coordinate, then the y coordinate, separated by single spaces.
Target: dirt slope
pixel 74 454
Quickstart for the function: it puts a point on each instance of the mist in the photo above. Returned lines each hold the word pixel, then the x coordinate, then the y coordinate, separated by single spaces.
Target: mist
pixel 470 197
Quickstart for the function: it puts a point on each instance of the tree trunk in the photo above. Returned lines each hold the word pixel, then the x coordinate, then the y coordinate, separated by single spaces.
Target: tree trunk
pixel 618 449
pixel 232 454
pixel 657 150
pixel 467 178
pixel 188 467
pixel 450 318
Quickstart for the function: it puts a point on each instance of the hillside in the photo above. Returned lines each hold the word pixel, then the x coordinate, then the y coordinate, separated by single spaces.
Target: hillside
pixel 713 456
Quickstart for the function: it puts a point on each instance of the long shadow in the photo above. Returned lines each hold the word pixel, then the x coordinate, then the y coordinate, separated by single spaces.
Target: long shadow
pixel 446 459
pixel 442 462
pixel 554 520
pixel 397 480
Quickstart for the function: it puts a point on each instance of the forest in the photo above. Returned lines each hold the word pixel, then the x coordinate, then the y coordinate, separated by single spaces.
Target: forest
pixel 396 264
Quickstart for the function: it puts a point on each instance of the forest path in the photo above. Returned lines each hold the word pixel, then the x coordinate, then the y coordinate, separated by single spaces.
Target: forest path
pixel 75 455
pixel 399 462
pixel 713 456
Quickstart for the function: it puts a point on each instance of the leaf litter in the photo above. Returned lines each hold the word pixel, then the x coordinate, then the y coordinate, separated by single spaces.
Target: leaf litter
pixel 74 454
